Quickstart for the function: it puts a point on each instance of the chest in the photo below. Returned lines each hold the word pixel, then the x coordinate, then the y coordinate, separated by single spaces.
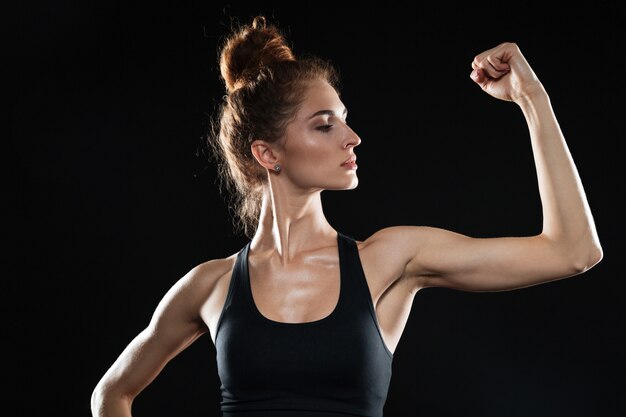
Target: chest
pixel 309 291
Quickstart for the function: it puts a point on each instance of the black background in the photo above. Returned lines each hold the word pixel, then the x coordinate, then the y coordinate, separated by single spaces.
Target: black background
pixel 113 198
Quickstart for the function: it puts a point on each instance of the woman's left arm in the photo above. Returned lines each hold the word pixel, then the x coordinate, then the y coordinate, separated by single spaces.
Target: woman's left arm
pixel 568 244
pixel 504 73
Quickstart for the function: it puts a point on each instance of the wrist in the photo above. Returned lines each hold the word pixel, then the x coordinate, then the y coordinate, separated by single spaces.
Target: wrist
pixel 535 106
pixel 532 95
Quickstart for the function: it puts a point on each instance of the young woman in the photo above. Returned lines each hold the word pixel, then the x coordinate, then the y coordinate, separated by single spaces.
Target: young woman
pixel 305 319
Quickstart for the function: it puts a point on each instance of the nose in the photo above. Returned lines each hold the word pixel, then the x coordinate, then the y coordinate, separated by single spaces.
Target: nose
pixel 351 138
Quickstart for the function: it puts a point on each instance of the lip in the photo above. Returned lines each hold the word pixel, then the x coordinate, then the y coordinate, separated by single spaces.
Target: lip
pixel 352 159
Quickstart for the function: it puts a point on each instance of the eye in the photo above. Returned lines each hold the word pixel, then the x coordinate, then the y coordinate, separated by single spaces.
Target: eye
pixel 324 128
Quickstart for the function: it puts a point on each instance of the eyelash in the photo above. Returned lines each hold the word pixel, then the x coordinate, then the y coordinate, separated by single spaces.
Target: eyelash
pixel 324 128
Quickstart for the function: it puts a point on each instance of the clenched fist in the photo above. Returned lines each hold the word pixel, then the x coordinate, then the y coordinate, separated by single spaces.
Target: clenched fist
pixel 504 73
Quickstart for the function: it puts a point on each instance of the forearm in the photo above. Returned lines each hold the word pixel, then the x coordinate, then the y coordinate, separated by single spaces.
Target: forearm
pixel 567 218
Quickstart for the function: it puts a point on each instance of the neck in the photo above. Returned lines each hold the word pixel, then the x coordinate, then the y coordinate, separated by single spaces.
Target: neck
pixel 290 223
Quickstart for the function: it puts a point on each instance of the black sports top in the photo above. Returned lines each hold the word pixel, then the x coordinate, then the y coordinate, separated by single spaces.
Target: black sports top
pixel 338 366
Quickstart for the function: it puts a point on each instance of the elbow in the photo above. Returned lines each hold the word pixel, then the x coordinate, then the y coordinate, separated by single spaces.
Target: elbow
pixel 596 257
pixel 580 254
pixel 105 400
pixel 592 259
pixel 97 399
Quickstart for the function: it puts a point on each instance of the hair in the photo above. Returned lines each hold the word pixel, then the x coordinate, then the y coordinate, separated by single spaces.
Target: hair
pixel 266 85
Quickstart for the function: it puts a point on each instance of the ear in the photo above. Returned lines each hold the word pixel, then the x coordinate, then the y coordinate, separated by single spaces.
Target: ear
pixel 265 154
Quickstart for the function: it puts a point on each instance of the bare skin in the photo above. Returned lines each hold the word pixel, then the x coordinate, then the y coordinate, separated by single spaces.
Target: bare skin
pixel 293 259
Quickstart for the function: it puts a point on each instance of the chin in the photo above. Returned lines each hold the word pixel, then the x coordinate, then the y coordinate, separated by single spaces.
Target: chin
pixel 353 184
pixel 346 183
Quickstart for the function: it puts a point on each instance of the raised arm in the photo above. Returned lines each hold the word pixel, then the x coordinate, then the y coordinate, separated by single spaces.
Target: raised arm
pixel 175 324
pixel 568 244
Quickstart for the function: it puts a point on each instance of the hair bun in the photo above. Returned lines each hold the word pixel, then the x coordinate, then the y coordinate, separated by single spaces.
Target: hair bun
pixel 249 49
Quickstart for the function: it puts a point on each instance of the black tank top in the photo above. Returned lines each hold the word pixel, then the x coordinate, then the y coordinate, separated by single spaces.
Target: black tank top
pixel 337 366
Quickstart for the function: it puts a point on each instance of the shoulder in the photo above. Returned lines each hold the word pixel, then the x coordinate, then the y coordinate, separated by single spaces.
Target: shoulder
pixel 394 239
pixel 198 283
pixel 392 252
pixel 208 273
pixel 386 254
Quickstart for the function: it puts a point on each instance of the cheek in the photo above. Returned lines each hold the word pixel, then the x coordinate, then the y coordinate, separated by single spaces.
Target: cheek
pixel 312 151
pixel 319 157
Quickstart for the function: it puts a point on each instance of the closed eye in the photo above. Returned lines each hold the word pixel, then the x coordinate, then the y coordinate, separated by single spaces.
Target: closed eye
pixel 324 128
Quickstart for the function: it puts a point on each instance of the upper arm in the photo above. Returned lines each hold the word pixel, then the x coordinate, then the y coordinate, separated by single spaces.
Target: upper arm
pixel 175 324
pixel 437 257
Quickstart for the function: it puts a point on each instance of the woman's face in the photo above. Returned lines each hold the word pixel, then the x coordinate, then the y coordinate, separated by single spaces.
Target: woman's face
pixel 318 142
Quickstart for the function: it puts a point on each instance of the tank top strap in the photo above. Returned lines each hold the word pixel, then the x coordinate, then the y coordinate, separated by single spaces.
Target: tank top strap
pixel 350 271
pixel 235 302
pixel 356 283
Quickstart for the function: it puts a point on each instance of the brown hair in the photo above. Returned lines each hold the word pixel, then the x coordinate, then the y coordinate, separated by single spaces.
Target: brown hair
pixel 266 86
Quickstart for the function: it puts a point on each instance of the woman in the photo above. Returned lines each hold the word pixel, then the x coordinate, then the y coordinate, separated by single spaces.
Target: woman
pixel 305 319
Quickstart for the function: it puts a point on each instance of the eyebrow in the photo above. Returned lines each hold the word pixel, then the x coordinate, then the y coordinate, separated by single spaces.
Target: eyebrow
pixel 329 112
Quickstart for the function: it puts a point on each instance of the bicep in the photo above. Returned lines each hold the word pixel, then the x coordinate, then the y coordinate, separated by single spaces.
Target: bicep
pixel 443 258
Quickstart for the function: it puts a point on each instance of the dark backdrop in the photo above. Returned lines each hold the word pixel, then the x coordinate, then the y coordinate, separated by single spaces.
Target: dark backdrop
pixel 113 198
